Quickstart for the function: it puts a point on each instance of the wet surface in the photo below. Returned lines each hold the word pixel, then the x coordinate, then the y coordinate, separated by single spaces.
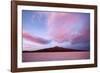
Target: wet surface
pixel 54 56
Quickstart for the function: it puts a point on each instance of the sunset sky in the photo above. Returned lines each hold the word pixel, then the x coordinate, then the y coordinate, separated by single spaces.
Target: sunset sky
pixel 43 29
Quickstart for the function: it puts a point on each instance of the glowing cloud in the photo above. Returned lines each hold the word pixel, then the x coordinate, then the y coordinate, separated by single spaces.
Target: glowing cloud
pixel 64 29
pixel 66 26
pixel 34 39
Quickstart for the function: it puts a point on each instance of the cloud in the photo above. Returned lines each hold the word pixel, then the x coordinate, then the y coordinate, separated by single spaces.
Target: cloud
pixel 32 46
pixel 64 26
pixel 70 28
pixel 65 29
pixel 34 39
pixel 83 37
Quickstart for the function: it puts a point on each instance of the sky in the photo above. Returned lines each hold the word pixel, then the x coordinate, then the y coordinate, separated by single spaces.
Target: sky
pixel 42 29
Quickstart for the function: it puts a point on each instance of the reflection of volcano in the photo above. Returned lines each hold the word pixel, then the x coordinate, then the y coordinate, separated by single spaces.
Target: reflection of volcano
pixel 57 49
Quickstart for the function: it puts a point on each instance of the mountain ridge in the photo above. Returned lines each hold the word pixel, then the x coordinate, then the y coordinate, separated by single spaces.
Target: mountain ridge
pixel 56 49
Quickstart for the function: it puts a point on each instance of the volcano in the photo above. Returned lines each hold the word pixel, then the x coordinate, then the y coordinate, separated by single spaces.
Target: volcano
pixel 56 49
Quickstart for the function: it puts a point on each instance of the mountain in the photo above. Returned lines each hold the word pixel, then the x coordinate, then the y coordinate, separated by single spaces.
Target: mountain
pixel 56 49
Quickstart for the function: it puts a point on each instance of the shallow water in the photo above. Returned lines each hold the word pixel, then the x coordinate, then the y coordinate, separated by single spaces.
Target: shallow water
pixel 54 56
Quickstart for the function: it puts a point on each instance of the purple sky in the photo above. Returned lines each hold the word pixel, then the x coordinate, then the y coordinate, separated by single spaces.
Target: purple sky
pixel 43 29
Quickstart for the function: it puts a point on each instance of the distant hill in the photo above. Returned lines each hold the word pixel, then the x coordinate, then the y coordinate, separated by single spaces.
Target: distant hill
pixel 56 49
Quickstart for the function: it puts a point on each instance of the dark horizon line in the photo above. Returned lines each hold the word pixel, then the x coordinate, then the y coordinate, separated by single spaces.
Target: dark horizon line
pixel 57 49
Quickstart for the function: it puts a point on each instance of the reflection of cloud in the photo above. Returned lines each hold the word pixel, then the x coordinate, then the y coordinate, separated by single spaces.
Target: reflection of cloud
pixel 34 39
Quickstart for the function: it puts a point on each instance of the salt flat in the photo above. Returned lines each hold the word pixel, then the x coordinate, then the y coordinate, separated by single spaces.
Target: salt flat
pixel 54 56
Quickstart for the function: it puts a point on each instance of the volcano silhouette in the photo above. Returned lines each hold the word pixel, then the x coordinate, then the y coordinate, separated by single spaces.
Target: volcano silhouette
pixel 57 49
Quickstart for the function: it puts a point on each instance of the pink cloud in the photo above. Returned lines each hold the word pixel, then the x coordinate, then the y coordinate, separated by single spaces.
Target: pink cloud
pixel 34 39
pixel 60 26
pixel 83 37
